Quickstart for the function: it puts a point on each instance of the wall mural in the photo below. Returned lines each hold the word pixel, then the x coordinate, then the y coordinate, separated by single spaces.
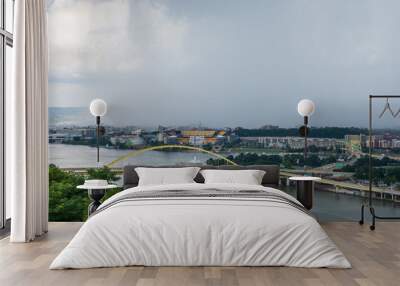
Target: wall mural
pixel 223 78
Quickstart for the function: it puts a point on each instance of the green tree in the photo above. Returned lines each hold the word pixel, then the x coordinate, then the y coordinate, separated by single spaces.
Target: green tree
pixel 316 132
pixel 104 173
pixel 66 202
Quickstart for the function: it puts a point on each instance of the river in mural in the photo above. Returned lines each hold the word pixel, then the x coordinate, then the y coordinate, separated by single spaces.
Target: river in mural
pixel 77 156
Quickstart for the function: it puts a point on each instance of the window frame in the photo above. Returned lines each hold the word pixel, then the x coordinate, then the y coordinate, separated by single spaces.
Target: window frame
pixel 6 39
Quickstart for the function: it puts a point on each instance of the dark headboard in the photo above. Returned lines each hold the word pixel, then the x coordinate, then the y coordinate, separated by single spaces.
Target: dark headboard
pixel 271 177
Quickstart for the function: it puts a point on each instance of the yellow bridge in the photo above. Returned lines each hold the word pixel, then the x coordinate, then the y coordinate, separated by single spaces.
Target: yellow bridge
pixel 153 148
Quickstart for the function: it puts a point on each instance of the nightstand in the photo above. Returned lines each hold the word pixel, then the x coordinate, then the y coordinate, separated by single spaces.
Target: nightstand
pixel 305 190
pixel 96 193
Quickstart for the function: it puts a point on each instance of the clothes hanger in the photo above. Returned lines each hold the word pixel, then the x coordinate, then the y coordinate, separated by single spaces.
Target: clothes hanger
pixel 387 107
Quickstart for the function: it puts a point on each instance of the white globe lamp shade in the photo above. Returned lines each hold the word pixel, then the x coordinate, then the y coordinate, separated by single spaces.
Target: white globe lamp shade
pixel 98 107
pixel 305 107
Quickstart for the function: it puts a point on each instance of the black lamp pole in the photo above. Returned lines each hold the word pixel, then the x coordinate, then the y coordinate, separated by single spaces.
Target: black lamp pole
pixel 97 139
pixel 305 139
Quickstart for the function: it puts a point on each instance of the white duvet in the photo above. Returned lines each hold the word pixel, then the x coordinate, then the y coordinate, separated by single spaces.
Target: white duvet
pixel 193 231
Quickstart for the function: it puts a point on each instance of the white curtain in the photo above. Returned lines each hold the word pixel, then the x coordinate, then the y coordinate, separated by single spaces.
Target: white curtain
pixel 27 123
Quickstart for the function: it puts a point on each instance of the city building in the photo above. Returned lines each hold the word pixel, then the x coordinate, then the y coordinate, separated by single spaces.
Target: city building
pixel 290 142
pixel 202 137
pixel 130 141
pixel 353 143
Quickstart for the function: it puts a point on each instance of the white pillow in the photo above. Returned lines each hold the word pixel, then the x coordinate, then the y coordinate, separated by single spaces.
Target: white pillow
pixel 166 176
pixel 248 177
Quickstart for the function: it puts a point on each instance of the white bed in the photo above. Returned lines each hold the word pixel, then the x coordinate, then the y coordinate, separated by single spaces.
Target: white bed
pixel 202 231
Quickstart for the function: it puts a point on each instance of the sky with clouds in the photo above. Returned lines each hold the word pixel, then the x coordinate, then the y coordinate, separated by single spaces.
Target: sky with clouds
pixel 225 63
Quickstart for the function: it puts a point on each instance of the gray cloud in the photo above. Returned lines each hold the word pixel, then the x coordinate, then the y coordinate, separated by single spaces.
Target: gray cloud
pixel 225 63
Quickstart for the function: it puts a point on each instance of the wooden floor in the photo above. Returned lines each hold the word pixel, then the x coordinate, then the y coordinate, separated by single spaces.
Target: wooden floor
pixel 375 257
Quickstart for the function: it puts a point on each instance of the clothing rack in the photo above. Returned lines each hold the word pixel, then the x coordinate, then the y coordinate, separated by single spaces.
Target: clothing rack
pixel 370 205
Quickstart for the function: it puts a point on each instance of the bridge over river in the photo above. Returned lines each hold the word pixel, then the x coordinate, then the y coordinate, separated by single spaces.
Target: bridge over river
pixel 344 186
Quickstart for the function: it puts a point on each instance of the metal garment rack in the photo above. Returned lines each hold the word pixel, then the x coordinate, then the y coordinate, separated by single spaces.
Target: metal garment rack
pixel 370 206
